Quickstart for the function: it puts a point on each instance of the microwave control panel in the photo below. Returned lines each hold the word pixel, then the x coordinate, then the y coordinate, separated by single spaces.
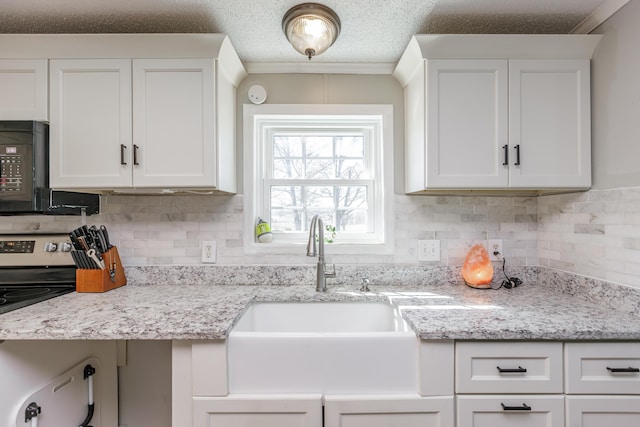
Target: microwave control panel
pixel 12 169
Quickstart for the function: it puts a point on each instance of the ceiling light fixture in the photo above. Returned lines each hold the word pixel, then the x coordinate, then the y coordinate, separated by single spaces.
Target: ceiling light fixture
pixel 311 28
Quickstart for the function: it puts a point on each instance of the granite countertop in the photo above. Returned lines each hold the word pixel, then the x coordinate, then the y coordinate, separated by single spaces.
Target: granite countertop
pixel 199 311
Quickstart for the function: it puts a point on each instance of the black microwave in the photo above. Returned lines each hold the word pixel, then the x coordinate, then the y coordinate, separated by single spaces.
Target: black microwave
pixel 24 174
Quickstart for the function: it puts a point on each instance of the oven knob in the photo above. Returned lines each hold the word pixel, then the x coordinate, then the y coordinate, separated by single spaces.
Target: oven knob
pixel 50 247
pixel 65 246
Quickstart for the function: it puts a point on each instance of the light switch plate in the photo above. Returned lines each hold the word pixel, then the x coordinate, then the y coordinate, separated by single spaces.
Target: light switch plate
pixel 428 250
pixel 209 251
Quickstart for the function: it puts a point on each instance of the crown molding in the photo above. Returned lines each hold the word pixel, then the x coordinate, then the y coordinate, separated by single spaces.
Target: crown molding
pixel 601 14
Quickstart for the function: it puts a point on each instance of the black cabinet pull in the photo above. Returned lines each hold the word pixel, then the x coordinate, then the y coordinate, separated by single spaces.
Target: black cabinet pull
pixel 505 147
pixel 628 370
pixel 518 370
pixel 135 155
pixel 517 148
pixel 122 148
pixel 524 407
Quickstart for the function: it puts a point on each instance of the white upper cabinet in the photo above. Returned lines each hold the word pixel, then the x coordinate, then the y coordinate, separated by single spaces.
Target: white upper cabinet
pixel 174 129
pixel 153 112
pixel 494 112
pixel 467 116
pixel 549 124
pixel 23 85
pixel 90 129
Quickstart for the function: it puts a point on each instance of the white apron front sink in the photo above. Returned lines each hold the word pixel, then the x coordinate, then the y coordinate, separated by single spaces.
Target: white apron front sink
pixel 322 347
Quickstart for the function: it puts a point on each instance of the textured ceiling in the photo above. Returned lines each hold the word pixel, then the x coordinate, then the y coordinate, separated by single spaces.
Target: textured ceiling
pixel 372 30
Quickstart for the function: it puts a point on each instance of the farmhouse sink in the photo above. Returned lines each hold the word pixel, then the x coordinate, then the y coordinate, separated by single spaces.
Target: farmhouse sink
pixel 322 347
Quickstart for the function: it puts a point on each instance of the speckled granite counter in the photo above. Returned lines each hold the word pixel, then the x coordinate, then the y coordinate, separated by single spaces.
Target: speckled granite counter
pixel 206 311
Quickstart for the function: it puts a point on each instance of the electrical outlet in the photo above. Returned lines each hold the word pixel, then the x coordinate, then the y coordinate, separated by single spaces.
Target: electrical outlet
pixel 494 247
pixel 209 251
pixel 428 250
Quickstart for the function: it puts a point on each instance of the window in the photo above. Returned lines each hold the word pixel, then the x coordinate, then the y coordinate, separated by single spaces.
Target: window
pixel 303 160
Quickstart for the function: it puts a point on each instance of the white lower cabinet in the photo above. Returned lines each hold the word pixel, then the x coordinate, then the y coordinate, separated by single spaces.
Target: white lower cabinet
pixel 388 411
pixel 499 383
pixel 201 396
pixel 295 410
pixel 306 410
pixel 602 382
pixel 599 411
pixel 510 410
pixel 527 376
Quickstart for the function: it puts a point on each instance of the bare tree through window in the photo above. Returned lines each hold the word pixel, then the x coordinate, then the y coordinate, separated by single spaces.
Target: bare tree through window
pixel 318 174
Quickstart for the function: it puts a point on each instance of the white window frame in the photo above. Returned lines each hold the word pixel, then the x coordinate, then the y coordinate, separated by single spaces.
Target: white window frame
pixel 259 122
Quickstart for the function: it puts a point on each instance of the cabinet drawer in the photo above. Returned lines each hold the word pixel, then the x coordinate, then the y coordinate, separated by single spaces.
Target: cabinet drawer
pixel 388 410
pixel 510 410
pixel 508 367
pixel 302 410
pixel 602 368
pixel 592 411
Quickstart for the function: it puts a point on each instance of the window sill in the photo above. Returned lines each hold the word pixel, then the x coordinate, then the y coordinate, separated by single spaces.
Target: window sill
pixel 330 249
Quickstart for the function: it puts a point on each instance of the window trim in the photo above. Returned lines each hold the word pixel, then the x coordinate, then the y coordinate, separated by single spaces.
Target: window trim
pixel 253 170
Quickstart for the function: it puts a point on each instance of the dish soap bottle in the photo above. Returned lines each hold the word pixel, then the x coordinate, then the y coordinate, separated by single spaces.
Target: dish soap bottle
pixel 263 231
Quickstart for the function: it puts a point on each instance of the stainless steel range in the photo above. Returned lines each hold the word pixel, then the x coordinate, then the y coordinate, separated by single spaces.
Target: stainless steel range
pixel 34 268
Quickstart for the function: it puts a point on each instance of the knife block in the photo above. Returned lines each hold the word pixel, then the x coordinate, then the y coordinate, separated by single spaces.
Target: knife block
pixel 96 280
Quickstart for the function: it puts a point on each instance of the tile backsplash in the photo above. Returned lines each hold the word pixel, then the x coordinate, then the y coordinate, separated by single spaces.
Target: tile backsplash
pixel 594 233
pixel 161 230
pixel 169 230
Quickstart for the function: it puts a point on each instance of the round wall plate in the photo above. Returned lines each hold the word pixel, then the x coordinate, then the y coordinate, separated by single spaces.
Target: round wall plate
pixel 257 94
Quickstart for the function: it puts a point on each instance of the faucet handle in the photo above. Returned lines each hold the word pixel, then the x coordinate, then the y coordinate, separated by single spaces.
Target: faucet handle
pixel 332 273
pixel 365 285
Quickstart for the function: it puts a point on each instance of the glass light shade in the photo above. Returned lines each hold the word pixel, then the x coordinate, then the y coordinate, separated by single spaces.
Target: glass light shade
pixel 477 270
pixel 311 28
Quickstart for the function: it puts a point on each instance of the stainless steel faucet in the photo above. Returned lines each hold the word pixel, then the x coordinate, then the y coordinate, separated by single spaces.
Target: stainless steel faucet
pixel 321 274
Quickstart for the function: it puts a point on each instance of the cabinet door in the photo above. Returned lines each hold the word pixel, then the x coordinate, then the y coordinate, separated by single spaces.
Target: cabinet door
pixel 511 410
pixel 466 123
pixel 598 411
pixel 23 85
pixel 406 411
pixel 549 123
pixel 174 123
pixel 263 411
pixel 90 130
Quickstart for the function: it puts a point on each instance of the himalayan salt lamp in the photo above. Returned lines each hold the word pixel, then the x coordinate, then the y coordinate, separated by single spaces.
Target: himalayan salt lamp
pixel 477 270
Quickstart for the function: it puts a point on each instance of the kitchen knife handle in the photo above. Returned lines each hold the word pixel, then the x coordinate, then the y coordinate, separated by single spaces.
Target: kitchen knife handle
pixel 135 155
pixel 505 147
pixel 105 234
pixel 122 148
pixel 517 148
pixel 628 370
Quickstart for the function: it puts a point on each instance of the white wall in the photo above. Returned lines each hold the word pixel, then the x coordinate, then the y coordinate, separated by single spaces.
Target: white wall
pixel 329 89
pixel 616 100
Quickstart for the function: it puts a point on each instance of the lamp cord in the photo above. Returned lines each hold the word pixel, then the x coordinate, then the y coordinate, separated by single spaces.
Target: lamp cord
pixel 509 282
